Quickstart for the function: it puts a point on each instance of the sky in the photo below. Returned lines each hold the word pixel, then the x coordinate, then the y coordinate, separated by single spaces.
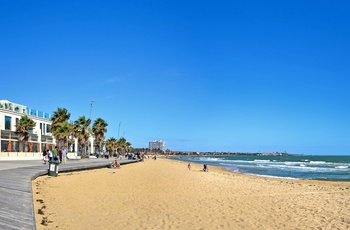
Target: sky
pixel 233 76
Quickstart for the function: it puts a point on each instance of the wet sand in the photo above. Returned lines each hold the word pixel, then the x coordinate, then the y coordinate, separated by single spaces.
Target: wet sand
pixel 164 194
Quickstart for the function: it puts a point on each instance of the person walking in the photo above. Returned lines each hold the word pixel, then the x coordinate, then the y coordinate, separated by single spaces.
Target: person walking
pixel 45 157
pixel 64 155
pixel 59 155
pixel 49 153
pixel 54 153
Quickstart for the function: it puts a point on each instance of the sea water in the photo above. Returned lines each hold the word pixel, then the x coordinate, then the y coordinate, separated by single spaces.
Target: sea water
pixel 335 168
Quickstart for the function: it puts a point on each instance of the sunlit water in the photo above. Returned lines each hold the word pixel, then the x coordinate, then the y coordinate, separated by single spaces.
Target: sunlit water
pixel 294 167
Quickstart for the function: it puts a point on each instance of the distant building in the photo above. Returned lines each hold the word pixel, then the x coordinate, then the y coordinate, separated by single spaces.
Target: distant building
pixel 157 145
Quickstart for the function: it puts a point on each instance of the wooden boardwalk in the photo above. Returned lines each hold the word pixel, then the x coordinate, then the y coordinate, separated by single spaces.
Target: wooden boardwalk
pixel 16 199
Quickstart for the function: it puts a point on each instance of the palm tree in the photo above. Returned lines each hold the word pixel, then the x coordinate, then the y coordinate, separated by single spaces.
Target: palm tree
pixel 59 116
pixel 60 126
pixel 22 130
pixel 81 131
pixel 71 138
pixel 62 132
pixel 99 128
pixel 128 147
pixel 111 145
pixel 123 145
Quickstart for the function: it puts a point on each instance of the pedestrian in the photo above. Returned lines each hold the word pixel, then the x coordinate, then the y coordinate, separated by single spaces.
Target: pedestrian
pixel 59 153
pixel 54 153
pixel 45 157
pixel 64 155
pixel 49 153
pixel 189 166
pixel 205 168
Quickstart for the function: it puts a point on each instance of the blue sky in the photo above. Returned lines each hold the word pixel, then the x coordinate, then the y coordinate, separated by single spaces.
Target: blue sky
pixel 247 76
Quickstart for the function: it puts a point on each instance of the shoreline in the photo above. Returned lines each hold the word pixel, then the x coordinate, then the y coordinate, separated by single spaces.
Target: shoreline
pixel 308 181
pixel 163 193
pixel 321 168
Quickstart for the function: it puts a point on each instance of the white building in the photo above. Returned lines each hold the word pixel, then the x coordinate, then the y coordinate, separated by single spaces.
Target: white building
pixel 40 137
pixel 157 145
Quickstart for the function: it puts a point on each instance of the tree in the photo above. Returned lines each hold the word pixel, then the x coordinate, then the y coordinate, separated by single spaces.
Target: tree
pixel 60 128
pixel 59 116
pixel 123 146
pixel 22 130
pixel 81 131
pixel 111 145
pixel 128 147
pixel 62 132
pixel 99 128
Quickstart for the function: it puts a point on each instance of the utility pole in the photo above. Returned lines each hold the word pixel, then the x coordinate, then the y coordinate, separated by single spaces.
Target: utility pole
pixel 91 102
pixel 119 130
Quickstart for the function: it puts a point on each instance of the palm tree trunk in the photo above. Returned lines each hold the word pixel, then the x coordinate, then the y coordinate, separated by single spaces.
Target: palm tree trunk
pixel 25 146
pixel 83 153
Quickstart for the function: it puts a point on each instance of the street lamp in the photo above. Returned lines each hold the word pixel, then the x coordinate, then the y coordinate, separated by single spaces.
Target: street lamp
pixel 119 129
pixel 91 102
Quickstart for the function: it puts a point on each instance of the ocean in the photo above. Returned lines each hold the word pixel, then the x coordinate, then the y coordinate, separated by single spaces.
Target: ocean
pixel 335 168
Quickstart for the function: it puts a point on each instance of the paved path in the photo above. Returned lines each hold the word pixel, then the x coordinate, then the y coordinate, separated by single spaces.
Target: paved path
pixel 16 199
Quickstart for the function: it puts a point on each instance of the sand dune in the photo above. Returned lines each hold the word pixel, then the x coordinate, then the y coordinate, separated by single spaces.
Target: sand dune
pixel 164 194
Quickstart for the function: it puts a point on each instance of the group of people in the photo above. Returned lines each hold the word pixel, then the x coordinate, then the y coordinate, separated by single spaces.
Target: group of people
pixel 205 167
pixel 57 154
pixel 102 155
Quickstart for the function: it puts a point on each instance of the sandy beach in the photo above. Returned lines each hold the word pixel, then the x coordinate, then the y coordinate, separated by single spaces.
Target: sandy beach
pixel 164 194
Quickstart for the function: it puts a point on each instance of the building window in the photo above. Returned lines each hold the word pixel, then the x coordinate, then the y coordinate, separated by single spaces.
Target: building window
pixel 33 112
pixel 7 123
pixel 48 128
pixel 42 128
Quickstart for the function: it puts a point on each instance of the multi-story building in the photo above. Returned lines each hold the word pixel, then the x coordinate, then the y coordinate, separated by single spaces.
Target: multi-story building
pixel 40 136
pixel 157 145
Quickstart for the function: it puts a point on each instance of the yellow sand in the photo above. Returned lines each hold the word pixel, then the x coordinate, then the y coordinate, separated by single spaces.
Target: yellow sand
pixel 164 194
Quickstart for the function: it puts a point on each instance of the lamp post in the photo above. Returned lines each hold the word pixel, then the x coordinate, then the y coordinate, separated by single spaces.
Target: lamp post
pixel 91 144
pixel 91 102
pixel 119 130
